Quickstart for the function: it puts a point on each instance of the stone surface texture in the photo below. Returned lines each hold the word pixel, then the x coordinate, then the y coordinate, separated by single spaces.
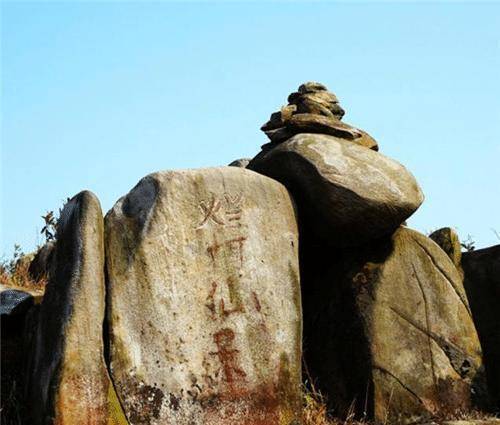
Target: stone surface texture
pixel 389 326
pixel 313 109
pixel 345 193
pixel 482 283
pixel 242 162
pixel 204 299
pixel 447 238
pixel 41 262
pixel 14 302
pixel 68 383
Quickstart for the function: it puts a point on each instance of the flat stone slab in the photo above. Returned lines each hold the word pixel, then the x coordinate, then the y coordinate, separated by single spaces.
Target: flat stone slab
pixel 204 299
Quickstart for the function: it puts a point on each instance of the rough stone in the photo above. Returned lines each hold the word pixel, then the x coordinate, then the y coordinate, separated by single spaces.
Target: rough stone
pixel 346 194
pixel 68 382
pixel 242 162
pixel 204 299
pixel 388 330
pixel 447 238
pixel 311 87
pixel 482 284
pixel 15 302
pixel 313 109
pixel 40 264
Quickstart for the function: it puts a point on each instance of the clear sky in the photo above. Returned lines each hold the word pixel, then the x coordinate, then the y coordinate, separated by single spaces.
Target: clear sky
pixel 97 95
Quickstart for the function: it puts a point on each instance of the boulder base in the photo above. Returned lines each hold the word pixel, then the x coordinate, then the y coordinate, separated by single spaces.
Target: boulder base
pixel 389 328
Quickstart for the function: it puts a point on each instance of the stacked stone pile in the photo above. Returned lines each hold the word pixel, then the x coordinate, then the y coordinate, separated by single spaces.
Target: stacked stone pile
pixel 194 300
pixel 313 109
pixel 387 324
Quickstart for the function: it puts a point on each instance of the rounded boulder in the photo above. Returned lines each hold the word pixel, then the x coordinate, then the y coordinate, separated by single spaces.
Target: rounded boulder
pixel 346 194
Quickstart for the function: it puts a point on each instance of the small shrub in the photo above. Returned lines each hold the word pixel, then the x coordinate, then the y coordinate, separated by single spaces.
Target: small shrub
pixel 469 244
pixel 50 226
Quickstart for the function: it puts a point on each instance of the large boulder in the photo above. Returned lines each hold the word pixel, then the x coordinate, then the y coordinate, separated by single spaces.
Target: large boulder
pixel 388 330
pixel 482 284
pixel 346 194
pixel 204 299
pixel 68 382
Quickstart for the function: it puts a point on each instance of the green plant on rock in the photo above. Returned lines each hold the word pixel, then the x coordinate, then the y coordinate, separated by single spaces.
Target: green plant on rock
pixel 49 229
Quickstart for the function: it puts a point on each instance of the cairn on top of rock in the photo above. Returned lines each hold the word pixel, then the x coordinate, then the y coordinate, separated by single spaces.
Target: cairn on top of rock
pixel 313 109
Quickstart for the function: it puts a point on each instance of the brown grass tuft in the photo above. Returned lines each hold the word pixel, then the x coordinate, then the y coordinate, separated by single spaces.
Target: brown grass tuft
pixel 315 411
pixel 16 275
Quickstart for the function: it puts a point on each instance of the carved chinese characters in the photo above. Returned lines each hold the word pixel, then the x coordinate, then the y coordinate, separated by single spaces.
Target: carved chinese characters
pixel 204 311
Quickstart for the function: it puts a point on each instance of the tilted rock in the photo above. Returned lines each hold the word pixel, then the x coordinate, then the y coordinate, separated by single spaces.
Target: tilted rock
pixel 313 109
pixel 242 162
pixel 346 194
pixel 204 299
pixel 448 240
pixel 482 284
pixel 388 328
pixel 68 383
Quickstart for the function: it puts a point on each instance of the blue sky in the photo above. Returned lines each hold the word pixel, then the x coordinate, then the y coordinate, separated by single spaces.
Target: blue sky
pixel 97 95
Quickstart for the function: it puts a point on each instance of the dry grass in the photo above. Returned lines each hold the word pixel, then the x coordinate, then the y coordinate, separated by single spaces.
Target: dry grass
pixel 315 411
pixel 314 407
pixel 15 275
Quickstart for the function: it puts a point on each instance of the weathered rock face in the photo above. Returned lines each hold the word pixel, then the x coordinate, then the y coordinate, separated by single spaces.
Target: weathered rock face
pixel 68 383
pixel 204 299
pixel 313 109
pixel 388 328
pixel 448 240
pixel 242 162
pixel 346 194
pixel 482 284
pixel 41 262
pixel 14 302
